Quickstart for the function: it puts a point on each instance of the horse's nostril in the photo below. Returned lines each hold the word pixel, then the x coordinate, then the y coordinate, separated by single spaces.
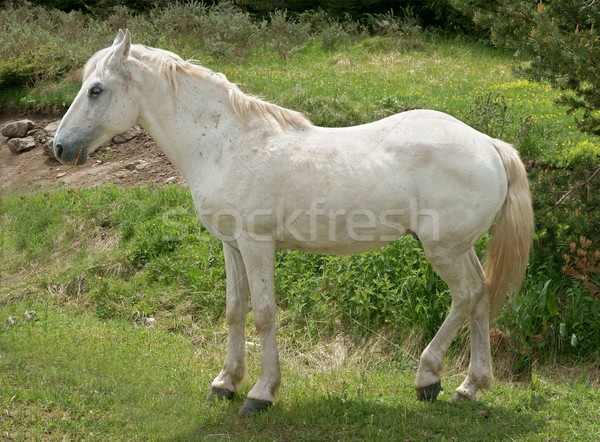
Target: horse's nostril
pixel 58 149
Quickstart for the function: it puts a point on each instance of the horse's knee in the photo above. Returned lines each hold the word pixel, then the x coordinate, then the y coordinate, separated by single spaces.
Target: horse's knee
pixel 264 317
pixel 236 314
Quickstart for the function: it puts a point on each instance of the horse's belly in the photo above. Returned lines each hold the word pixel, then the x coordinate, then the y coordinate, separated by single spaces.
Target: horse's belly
pixel 340 231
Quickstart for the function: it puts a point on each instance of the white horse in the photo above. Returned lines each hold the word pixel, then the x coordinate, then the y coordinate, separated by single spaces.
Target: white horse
pixel 263 177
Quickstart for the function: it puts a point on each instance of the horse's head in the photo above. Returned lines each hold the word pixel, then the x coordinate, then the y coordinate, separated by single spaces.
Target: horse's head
pixel 105 105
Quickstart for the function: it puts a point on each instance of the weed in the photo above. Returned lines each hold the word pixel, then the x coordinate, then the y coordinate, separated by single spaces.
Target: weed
pixel 583 264
pixel 489 114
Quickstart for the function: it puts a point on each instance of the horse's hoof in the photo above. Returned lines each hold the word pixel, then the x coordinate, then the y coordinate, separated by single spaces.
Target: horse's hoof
pixel 254 406
pixel 459 397
pixel 219 394
pixel 430 392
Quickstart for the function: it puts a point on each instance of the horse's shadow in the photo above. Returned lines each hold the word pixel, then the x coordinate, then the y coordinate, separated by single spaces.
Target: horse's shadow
pixel 336 417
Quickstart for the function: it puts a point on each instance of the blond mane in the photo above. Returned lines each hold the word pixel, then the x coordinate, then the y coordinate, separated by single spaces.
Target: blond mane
pixel 167 64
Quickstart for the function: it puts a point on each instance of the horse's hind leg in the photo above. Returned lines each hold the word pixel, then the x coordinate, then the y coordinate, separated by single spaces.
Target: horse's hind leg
pixel 467 288
pixel 479 375
pixel 234 368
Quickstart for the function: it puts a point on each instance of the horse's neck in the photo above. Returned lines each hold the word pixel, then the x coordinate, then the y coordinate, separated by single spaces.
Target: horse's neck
pixel 193 128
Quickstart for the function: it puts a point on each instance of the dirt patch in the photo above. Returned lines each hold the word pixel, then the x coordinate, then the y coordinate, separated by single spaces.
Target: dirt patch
pixel 137 161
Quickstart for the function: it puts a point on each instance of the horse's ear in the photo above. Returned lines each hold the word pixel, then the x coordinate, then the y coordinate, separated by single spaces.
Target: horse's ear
pixel 122 49
pixel 119 38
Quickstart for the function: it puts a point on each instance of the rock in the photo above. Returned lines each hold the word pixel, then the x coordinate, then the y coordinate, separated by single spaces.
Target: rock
pixel 51 128
pixel 142 165
pixel 132 166
pixel 19 145
pixel 49 150
pixel 29 316
pixel 127 136
pixel 17 129
pixel 170 180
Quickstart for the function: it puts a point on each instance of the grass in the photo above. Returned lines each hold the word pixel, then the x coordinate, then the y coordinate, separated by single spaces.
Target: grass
pixel 68 375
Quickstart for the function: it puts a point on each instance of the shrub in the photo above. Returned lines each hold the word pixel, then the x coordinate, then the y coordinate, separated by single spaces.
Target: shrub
pixel 19 71
pixel 286 35
pixel 391 287
pixel 47 62
pixel 181 20
pixel 332 36
pixel 404 31
pixel 229 33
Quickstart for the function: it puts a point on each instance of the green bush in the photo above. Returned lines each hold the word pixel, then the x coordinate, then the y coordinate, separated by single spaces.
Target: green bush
pixel 393 287
pixel 229 33
pixel 286 35
pixel 332 36
pixel 46 63
pixel 19 71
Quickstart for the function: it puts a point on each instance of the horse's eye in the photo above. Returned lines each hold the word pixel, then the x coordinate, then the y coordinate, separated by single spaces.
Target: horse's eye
pixel 95 90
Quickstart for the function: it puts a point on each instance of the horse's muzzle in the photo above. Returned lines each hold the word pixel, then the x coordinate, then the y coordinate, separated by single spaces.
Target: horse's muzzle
pixel 70 154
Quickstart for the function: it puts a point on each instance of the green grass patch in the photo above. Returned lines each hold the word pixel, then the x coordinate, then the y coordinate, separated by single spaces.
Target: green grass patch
pixel 71 376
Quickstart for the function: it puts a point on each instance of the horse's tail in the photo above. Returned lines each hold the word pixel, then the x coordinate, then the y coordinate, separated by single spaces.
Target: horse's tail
pixel 507 254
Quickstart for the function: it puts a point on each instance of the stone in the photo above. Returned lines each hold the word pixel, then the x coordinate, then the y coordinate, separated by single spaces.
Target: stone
pixel 132 166
pixel 143 165
pixel 170 180
pixel 49 150
pixel 51 128
pixel 29 316
pixel 127 136
pixel 19 145
pixel 17 129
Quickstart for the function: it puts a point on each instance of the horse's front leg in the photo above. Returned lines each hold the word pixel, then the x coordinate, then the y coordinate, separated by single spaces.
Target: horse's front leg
pixel 234 368
pixel 259 261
